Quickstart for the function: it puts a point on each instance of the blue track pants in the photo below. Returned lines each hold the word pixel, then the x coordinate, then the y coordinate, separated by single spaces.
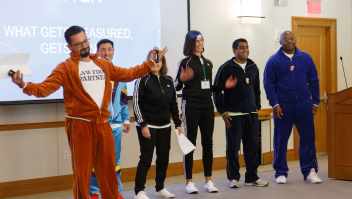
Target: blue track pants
pixel 301 114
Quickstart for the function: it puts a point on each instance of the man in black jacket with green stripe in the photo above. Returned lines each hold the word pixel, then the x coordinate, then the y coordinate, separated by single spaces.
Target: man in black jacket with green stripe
pixel 239 108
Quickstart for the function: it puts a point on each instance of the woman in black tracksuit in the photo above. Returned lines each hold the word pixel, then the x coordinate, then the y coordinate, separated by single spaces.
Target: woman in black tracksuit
pixel 154 99
pixel 197 106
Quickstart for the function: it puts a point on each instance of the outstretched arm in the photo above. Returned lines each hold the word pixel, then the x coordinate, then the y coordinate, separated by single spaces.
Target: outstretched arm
pixel 44 89
pixel 119 74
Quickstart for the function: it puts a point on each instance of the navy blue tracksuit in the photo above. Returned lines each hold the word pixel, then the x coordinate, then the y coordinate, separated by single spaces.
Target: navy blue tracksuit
pixel 293 84
pixel 244 98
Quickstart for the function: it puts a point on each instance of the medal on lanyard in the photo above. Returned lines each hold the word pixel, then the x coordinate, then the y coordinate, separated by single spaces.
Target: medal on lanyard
pixel 292 67
pixel 247 80
pixel 205 84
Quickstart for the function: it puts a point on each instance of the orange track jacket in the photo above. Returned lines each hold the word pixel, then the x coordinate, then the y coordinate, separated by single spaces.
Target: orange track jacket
pixel 78 103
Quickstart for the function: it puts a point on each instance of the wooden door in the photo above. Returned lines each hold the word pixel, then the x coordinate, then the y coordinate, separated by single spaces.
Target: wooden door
pixel 314 38
pixel 313 41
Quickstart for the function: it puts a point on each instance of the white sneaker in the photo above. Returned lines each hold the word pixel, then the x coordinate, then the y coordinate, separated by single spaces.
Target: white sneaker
pixel 234 184
pixel 141 195
pixel 190 188
pixel 258 183
pixel 313 177
pixel 164 194
pixel 281 180
pixel 210 187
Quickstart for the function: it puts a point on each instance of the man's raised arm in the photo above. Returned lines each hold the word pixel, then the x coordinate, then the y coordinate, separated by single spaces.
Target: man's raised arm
pixel 127 75
pixel 44 89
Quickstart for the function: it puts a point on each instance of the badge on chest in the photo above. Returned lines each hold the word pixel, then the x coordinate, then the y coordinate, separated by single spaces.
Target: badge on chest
pixel 205 84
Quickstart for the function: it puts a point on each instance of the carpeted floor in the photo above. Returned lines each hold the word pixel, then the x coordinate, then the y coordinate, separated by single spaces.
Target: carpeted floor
pixel 295 188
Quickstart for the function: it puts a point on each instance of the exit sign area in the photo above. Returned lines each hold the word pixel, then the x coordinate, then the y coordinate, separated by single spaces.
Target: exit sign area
pixel 314 7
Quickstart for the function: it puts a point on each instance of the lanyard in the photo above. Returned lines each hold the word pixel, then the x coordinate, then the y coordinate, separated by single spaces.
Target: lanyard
pixel 205 76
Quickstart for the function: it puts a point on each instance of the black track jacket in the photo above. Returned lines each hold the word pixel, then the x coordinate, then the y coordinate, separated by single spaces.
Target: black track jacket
pixel 244 97
pixel 192 89
pixel 154 99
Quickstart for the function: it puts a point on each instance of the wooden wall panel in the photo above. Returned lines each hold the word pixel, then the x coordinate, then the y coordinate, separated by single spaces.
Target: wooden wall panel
pixel 343 136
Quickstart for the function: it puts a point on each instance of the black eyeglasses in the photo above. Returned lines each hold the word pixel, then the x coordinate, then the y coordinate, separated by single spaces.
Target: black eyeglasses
pixel 291 39
pixel 79 44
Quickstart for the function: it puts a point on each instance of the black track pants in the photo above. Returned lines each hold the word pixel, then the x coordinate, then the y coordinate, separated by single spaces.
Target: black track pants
pixel 160 138
pixel 194 115
pixel 245 128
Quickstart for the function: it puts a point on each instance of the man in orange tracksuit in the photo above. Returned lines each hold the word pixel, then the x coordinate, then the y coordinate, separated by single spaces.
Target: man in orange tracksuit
pixel 86 84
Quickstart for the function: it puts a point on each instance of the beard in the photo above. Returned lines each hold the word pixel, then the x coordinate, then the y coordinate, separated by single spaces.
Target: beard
pixel 85 52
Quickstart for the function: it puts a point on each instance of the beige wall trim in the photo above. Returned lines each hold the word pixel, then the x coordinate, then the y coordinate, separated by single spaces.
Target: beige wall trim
pixel 35 186
pixel 43 125
pixel 263 114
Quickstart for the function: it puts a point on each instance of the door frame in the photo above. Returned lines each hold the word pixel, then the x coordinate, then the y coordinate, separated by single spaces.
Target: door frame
pixel 331 55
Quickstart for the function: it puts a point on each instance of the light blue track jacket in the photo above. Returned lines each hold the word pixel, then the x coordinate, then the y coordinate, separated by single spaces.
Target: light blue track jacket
pixel 118 104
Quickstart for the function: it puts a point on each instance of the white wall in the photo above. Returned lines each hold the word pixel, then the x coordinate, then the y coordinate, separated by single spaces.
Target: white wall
pixel 218 22
pixel 28 154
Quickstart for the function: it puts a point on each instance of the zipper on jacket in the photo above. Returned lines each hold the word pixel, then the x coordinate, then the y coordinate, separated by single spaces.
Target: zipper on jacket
pixel 112 108
pixel 294 80
pixel 246 86
pixel 99 116
pixel 162 90
pixel 244 72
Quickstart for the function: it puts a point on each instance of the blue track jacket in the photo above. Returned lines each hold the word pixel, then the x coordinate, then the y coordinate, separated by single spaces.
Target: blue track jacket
pixel 283 85
pixel 118 104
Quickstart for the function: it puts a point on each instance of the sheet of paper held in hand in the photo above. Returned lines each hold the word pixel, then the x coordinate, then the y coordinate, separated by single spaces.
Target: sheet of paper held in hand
pixel 14 61
pixel 185 145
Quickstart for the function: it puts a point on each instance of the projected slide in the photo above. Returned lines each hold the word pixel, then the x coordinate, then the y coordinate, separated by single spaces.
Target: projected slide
pixel 37 27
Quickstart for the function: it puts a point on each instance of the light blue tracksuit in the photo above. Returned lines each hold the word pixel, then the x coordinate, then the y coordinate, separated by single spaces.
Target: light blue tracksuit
pixel 119 115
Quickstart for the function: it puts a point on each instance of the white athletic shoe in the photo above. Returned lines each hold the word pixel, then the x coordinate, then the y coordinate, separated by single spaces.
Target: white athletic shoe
pixel 141 195
pixel 164 194
pixel 313 177
pixel 190 188
pixel 234 184
pixel 281 180
pixel 258 183
pixel 210 187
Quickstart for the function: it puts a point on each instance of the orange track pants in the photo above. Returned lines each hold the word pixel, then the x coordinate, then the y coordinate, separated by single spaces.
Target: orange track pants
pixel 92 145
